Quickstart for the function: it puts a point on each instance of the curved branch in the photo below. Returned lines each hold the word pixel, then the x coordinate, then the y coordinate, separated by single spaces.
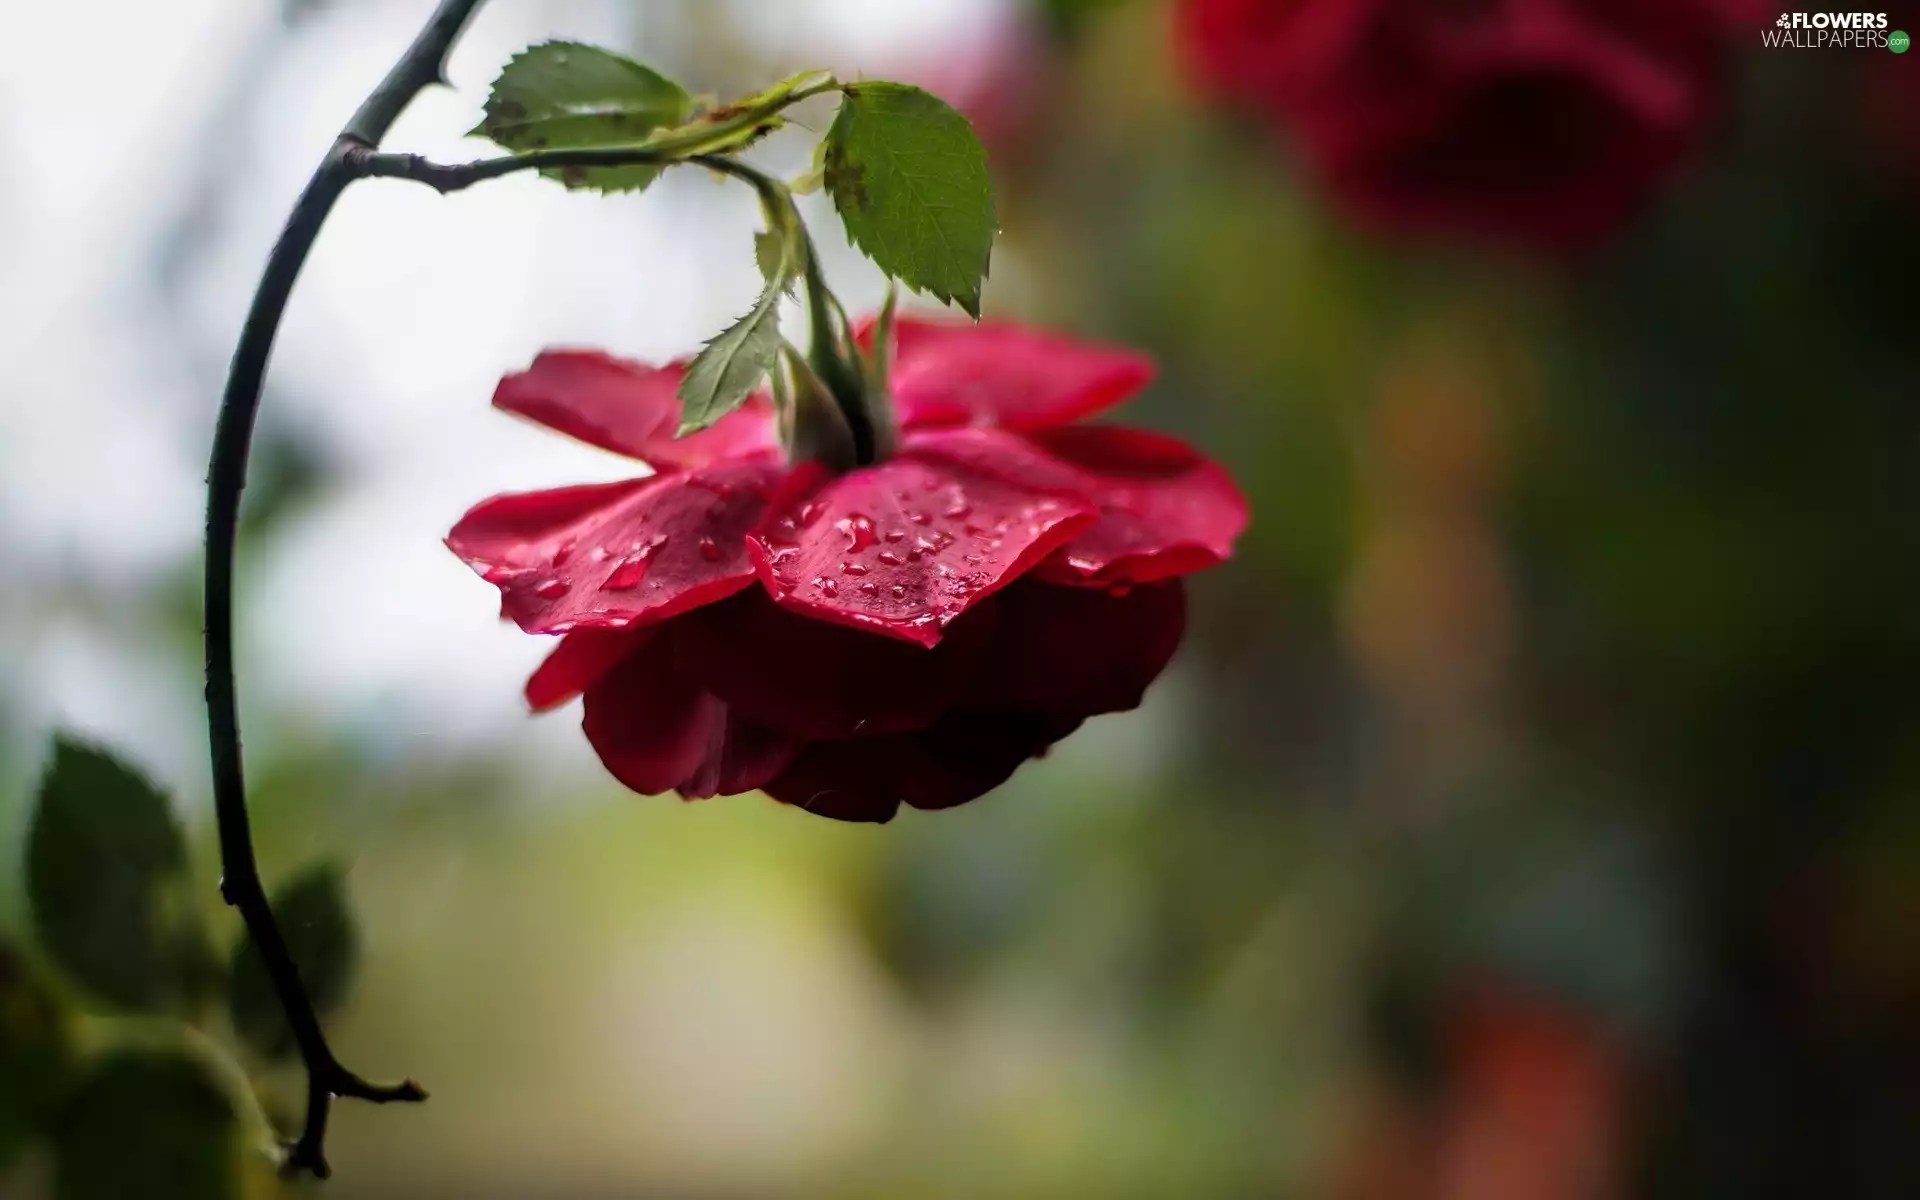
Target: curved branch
pixel 422 64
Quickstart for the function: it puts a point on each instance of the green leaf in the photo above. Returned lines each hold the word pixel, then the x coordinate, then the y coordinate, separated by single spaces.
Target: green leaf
pixel 105 878
pixel 910 180
pixel 150 1125
pixel 566 95
pixel 34 1056
pixel 318 925
pixel 725 372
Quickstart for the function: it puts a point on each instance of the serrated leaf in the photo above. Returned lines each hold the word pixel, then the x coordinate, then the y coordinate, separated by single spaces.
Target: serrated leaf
pixel 910 180
pixel 318 926
pixel 105 874
pixel 146 1124
pixel 567 95
pixel 725 372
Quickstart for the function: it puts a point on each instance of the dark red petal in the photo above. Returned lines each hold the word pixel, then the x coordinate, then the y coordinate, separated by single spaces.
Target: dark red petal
pixel 1165 509
pixel 629 408
pixel 818 680
pixel 904 547
pixel 622 554
pixel 652 731
pixel 580 659
pixel 741 755
pixel 949 373
pixel 964 756
pixel 1078 651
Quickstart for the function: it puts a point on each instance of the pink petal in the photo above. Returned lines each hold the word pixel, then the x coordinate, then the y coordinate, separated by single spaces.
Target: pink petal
pixel 818 680
pixel 904 547
pixel 651 730
pixel 1165 510
pixel 614 555
pixel 966 755
pixel 629 408
pixel 948 373
pixel 1078 651
pixel 578 662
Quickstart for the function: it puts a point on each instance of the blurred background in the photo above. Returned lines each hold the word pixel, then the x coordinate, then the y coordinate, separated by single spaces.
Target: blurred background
pixel 1533 811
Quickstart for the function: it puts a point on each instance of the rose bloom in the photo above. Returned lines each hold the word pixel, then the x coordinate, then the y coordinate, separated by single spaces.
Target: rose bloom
pixel 1537 123
pixel 909 631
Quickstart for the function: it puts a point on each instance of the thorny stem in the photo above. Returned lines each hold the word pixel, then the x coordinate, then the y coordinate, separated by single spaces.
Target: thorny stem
pixel 422 64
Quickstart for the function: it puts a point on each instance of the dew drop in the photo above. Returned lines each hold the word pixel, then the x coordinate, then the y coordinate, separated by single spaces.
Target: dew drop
pixel 899 592
pixel 828 587
pixel 552 589
pixel 629 574
pixel 973 560
pixel 896 535
pixel 889 558
pixel 563 552
pixel 812 511
pixel 855 569
pixel 867 589
pixel 858 529
pixel 918 517
pixel 708 550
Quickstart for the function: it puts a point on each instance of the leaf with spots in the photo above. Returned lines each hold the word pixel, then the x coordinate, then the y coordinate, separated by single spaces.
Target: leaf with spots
pixel 910 180
pixel 561 95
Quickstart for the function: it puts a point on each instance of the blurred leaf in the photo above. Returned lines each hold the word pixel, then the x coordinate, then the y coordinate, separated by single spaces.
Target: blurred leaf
pixel 564 94
pixel 910 180
pixel 320 934
pixel 726 371
pixel 147 1125
pixel 105 862
pixel 33 1056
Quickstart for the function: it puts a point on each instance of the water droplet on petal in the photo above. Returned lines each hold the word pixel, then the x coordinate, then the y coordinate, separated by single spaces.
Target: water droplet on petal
pixel 629 574
pixel 858 529
pixel 812 511
pixel 896 535
pixel 708 550
pixel 889 558
pixel 552 589
pixel 867 589
pixel 899 592
pixel 828 587
pixel 847 568
pixel 918 517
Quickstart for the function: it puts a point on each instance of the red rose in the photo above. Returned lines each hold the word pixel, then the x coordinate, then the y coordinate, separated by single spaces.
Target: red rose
pixel 1538 122
pixel 920 627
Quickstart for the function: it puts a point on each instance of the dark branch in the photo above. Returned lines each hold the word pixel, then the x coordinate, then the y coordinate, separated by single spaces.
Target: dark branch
pixel 420 66
pixel 452 177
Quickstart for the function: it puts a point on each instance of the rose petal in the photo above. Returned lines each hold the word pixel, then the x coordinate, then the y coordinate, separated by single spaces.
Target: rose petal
pixel 579 661
pixel 1165 510
pixel 610 556
pixel 629 408
pixel 650 729
pixel 966 755
pixel 904 547
pixel 818 680
pixel 1076 650
pixel 742 754
pixel 948 373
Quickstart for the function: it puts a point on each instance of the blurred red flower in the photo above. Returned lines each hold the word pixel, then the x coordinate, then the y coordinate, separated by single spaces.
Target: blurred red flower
pixel 1537 123
pixel 921 627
